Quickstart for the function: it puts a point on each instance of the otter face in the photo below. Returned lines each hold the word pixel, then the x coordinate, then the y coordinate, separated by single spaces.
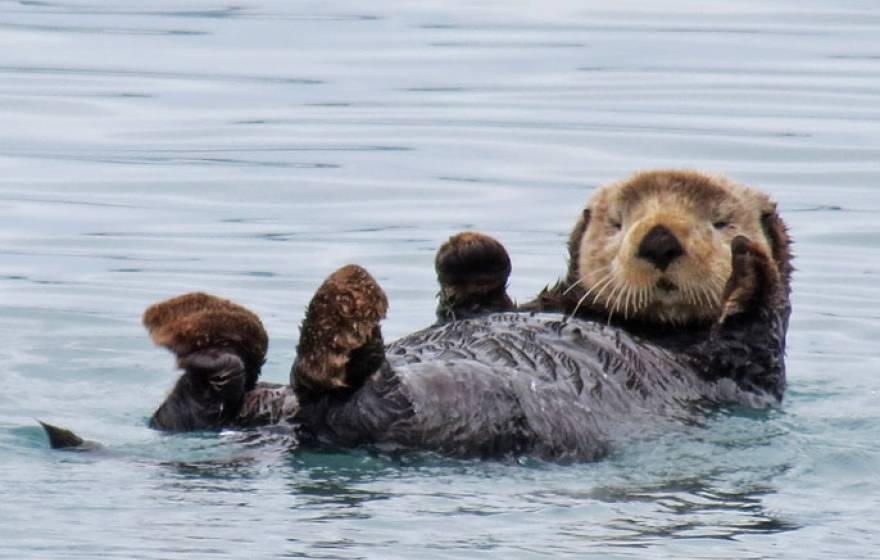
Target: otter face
pixel 656 247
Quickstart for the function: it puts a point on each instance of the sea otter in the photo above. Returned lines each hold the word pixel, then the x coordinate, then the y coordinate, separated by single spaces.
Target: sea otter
pixel 676 297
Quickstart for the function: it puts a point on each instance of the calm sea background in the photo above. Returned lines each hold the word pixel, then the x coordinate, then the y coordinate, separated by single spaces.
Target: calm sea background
pixel 149 148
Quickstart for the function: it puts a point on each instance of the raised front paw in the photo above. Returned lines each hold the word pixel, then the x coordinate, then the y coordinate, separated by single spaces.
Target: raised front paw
pixel 472 269
pixel 753 279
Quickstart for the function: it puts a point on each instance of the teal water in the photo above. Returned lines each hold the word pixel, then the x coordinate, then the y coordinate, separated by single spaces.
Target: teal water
pixel 153 148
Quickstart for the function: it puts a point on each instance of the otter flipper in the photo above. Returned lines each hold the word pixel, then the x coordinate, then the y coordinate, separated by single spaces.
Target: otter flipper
pixel 340 342
pixel 472 269
pixel 221 346
pixel 196 321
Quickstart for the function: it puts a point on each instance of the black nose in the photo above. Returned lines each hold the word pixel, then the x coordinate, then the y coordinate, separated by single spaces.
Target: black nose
pixel 660 246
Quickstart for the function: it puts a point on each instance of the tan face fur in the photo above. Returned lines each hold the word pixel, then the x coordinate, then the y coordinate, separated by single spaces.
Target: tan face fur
pixel 657 246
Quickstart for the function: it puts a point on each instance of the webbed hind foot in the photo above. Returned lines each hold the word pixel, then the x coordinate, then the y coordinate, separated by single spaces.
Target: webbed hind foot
pixel 221 347
pixel 340 342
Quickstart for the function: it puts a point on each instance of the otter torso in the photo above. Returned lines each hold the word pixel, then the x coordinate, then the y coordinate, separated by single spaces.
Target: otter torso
pixel 516 383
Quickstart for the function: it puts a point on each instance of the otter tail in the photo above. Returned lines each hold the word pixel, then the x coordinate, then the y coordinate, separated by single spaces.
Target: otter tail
pixel 59 438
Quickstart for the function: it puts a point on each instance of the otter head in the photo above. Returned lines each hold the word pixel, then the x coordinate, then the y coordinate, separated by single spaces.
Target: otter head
pixel 656 247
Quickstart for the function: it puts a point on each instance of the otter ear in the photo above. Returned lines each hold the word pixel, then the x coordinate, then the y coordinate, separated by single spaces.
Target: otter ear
pixel 574 242
pixel 777 236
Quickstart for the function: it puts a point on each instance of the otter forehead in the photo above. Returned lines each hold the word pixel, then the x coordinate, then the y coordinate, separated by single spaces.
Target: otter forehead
pixel 696 191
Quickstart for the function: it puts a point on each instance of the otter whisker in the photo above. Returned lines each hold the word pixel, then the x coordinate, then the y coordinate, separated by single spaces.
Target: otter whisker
pixel 604 283
pixel 579 281
pixel 580 301
pixel 615 295
pixel 619 299
pixel 693 294
pixel 574 285
pixel 697 294
pixel 633 295
pixel 610 301
pixel 634 299
pixel 705 297
pixel 714 296
pixel 599 287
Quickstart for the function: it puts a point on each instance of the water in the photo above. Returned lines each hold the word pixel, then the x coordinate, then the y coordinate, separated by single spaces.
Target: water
pixel 153 148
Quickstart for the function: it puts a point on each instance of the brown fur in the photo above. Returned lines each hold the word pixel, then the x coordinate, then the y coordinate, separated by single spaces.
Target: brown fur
pixel 340 341
pixel 470 263
pixel 606 277
pixel 472 269
pixel 198 321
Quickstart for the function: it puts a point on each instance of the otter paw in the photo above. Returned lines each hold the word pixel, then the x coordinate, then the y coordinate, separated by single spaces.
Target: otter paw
pixel 340 342
pixel 222 372
pixel 472 269
pixel 753 276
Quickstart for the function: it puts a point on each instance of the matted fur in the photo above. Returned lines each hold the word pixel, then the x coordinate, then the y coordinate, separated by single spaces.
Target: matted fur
pixel 340 340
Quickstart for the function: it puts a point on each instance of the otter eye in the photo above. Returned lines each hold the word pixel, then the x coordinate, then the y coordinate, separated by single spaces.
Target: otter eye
pixel 720 224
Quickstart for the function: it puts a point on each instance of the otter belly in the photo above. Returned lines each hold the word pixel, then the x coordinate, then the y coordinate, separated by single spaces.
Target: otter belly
pixel 511 383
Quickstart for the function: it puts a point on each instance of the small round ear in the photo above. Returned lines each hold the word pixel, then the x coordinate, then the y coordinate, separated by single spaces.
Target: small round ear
pixel 777 236
pixel 574 242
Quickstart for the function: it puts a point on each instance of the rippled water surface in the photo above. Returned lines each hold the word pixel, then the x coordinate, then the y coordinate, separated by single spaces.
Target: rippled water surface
pixel 149 148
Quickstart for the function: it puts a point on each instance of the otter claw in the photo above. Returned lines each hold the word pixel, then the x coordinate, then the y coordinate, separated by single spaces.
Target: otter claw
pixel 472 269
pixel 340 342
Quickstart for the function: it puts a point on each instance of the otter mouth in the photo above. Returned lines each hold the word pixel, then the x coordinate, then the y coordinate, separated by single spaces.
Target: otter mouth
pixel 665 285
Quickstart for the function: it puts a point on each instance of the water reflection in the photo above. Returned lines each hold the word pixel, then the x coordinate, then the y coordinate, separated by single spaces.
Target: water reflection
pixel 690 508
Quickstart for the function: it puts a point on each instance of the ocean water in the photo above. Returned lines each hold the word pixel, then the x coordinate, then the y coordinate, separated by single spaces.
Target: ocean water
pixel 149 148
